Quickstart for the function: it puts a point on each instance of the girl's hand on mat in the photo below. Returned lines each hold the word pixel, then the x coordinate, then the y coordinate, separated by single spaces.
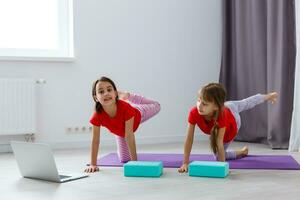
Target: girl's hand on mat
pixel 183 168
pixel 92 169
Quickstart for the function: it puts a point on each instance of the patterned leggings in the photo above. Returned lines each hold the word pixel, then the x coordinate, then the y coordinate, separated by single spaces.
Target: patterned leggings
pixel 236 107
pixel 148 109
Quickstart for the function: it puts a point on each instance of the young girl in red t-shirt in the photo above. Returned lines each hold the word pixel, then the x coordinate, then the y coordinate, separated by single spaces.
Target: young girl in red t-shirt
pixel 220 120
pixel 121 113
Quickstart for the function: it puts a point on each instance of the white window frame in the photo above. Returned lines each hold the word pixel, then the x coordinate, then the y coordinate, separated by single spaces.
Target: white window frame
pixel 65 51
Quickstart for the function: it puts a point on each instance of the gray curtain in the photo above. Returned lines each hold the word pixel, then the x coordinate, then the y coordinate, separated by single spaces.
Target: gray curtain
pixel 258 56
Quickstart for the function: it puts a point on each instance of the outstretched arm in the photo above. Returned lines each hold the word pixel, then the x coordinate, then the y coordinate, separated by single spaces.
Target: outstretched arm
pixel 130 138
pixel 187 148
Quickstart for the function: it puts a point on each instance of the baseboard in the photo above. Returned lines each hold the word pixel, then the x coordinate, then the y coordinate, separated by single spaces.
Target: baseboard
pixel 4 148
pixel 112 142
pixel 139 141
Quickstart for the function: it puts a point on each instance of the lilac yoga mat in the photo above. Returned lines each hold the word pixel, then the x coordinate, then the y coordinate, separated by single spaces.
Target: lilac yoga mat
pixel 283 162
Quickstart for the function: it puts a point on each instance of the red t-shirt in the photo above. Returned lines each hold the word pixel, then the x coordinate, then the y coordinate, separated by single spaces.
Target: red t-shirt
pixel 225 119
pixel 116 124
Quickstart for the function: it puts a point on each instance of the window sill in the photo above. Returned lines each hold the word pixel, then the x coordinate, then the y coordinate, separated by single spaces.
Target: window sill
pixel 29 58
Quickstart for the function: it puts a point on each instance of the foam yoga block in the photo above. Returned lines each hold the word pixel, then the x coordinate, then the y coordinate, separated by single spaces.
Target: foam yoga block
pixel 143 169
pixel 209 169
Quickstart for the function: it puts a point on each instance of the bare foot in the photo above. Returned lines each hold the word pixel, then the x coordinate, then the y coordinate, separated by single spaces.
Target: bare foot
pixel 123 95
pixel 243 152
pixel 272 96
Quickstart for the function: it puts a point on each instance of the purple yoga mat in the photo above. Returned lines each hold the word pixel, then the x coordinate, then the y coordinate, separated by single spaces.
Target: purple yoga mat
pixel 283 162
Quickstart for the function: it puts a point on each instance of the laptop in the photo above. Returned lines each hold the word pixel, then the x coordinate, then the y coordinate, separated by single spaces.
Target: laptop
pixel 35 160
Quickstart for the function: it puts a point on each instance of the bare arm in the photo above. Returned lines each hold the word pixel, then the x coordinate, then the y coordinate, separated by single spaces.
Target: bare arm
pixel 130 139
pixel 188 143
pixel 221 151
pixel 187 148
pixel 94 150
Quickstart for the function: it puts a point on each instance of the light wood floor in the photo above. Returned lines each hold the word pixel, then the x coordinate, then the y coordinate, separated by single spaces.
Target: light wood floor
pixel 110 184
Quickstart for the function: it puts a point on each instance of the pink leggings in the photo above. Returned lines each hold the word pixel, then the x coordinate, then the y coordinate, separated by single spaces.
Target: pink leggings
pixel 148 109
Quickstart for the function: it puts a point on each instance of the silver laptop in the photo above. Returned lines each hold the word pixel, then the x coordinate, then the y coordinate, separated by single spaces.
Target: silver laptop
pixel 35 160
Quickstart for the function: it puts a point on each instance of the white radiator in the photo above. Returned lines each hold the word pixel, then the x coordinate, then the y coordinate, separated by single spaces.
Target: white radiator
pixel 17 106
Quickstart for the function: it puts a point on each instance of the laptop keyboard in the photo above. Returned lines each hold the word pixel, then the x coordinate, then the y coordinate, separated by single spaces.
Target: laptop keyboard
pixel 63 176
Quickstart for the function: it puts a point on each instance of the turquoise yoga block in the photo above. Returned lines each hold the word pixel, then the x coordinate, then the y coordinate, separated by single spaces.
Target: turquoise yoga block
pixel 143 169
pixel 209 169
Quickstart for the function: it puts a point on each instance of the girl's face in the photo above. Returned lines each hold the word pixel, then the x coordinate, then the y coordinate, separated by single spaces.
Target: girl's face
pixel 205 108
pixel 105 93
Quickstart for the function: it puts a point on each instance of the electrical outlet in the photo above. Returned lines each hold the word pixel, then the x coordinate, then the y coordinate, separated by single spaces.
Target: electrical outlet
pixel 68 129
pixel 78 129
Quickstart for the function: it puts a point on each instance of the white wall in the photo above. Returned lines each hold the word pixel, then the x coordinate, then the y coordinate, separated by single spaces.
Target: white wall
pixel 164 50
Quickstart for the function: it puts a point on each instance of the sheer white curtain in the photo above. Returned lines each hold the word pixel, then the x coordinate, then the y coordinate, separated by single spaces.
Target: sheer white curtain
pixel 294 144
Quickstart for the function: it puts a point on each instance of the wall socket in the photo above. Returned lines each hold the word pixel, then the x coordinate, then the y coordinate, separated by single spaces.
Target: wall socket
pixel 78 129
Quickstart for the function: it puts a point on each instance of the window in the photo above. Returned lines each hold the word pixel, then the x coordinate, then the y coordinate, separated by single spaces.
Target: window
pixel 36 29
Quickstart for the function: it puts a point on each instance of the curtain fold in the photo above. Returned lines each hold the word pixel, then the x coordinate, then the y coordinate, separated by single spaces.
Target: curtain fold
pixel 258 56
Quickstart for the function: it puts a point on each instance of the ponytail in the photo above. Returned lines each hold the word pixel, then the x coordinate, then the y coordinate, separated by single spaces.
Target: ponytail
pixel 214 135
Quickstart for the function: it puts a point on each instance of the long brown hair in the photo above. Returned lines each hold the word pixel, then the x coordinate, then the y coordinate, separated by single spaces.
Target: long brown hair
pixel 98 106
pixel 214 93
